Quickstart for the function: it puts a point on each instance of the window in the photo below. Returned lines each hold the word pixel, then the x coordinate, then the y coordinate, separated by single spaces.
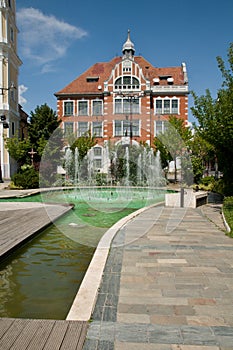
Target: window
pixel 127 105
pixel 158 107
pixel 127 82
pixel 82 107
pixel 126 128
pixel 166 106
pixel 92 79
pixel 175 106
pixel 97 163
pixel 97 129
pixel 160 126
pixel 68 128
pixel 118 128
pixel 82 128
pixel 12 34
pixel 12 128
pixel 97 107
pixel 97 151
pixel 68 108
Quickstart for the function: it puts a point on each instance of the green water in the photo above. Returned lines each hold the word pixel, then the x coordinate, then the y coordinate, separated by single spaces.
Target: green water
pixel 41 279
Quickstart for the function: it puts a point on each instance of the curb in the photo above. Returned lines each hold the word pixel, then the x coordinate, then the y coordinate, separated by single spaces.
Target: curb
pixel 85 300
pixel 225 223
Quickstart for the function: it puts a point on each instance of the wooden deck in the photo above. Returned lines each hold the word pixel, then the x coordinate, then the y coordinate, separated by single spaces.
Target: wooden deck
pixel 20 221
pixel 22 334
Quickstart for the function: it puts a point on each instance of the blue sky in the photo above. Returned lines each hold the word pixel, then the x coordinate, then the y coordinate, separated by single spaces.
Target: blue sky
pixel 59 40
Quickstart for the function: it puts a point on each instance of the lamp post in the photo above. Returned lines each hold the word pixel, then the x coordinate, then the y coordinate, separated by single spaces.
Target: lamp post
pixel 130 97
pixel 3 125
pixel 11 88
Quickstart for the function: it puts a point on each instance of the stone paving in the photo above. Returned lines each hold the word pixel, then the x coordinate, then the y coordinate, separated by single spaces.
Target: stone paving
pixel 167 284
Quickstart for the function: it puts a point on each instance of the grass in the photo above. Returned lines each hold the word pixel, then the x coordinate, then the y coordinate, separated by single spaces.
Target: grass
pixel 228 213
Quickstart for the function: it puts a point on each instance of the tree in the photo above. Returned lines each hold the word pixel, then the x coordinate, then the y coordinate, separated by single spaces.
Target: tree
pixel 43 122
pixel 83 143
pixel 215 117
pixel 43 134
pixel 173 143
pixel 18 149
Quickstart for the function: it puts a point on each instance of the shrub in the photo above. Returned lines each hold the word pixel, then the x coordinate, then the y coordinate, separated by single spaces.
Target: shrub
pixel 26 178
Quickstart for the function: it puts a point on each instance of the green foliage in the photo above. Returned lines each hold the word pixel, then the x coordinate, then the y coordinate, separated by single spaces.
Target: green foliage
pixel 228 212
pixel 173 143
pixel 18 149
pixel 215 117
pixel 207 183
pixel 26 178
pixel 101 179
pixel 165 155
pixel 43 124
pixel 84 143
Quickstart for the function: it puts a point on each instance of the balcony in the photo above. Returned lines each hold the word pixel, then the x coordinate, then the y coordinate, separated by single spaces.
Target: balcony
pixel 178 89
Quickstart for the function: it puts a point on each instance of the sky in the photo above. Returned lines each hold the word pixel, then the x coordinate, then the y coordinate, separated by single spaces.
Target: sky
pixel 59 40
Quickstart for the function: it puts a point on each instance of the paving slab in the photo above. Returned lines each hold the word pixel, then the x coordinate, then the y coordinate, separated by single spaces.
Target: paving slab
pixel 167 284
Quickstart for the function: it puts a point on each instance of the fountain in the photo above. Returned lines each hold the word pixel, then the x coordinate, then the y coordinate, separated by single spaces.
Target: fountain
pixel 125 166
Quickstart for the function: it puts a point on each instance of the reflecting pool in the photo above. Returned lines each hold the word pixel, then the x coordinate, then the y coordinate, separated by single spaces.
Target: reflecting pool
pixel 41 279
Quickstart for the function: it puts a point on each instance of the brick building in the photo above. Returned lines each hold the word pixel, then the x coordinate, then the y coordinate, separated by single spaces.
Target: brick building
pixel 126 100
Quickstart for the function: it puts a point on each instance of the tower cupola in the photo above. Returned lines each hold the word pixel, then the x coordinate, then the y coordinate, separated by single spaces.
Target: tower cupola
pixel 128 47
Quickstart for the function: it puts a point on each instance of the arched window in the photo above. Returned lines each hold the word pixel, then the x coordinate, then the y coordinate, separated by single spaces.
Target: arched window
pixel 127 82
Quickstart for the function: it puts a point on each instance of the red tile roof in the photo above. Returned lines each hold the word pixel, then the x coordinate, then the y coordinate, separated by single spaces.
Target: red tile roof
pixel 103 71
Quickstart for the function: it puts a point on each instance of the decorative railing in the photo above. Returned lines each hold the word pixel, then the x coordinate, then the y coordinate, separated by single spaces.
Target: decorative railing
pixel 170 88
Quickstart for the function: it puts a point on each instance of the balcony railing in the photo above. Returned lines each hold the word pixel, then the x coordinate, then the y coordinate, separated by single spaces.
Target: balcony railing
pixel 170 88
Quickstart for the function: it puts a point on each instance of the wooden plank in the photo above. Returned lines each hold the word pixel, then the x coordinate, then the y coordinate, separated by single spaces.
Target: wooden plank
pixel 12 334
pixel 20 334
pixel 73 336
pixel 18 225
pixel 82 336
pixel 42 334
pixel 26 335
pixel 5 324
pixel 56 336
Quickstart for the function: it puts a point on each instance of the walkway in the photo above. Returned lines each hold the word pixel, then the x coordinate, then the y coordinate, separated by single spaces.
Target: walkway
pixel 22 334
pixel 20 221
pixel 167 285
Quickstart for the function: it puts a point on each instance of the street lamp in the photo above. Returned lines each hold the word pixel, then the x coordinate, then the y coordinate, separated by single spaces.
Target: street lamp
pixel 3 125
pixel 12 87
pixel 131 97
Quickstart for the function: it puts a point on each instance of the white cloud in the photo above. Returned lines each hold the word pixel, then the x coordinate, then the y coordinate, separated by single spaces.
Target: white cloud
pixel 22 99
pixel 44 38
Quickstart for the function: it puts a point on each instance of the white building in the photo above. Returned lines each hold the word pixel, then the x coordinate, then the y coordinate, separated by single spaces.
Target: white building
pixel 9 70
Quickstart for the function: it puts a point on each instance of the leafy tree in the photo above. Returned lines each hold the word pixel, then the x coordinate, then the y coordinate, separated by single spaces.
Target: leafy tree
pixel 215 117
pixel 202 154
pixel 43 133
pixel 84 143
pixel 173 143
pixel 43 122
pixel 18 149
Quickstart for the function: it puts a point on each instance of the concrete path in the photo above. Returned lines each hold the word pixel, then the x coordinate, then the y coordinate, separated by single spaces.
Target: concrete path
pixel 167 284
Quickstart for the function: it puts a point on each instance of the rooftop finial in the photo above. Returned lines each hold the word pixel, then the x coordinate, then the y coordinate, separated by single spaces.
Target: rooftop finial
pixel 128 47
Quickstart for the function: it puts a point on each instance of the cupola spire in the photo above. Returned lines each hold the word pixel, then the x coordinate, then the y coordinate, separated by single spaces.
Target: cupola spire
pixel 128 47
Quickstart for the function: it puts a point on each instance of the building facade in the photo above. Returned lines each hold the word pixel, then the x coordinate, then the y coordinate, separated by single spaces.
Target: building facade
pixel 126 100
pixel 9 70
